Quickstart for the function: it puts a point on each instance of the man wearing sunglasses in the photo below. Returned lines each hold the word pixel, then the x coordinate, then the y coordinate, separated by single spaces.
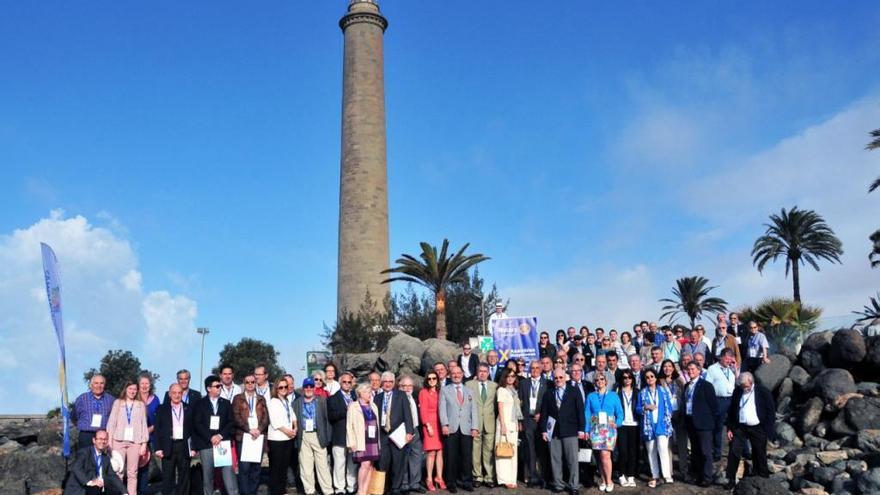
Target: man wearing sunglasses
pixel 344 473
pixel 251 415
pixel 212 424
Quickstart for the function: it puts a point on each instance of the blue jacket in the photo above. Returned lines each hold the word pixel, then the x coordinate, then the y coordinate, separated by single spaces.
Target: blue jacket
pixel 610 405
pixel 663 426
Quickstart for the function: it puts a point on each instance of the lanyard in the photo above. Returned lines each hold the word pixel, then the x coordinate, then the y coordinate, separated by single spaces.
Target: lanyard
pixel 602 401
pixel 99 460
pixel 693 348
pixel 347 399
pixel 252 405
pixel 627 400
pixel 215 403
pixel 727 374
pixel 98 404
pixel 692 389
pixel 287 408
pixel 560 395
pixel 186 398
pixel 745 399
pixel 228 394
pixel 178 413
pixel 128 411
pixel 653 396
pixel 309 410
pixel 535 388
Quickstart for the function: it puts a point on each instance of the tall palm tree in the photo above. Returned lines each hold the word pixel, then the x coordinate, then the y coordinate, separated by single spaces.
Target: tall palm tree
pixel 801 236
pixel 691 299
pixel 435 272
pixel 874 257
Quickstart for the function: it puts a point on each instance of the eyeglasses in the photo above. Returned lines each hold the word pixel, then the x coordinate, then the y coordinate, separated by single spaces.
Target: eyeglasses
pixel 216 385
pixel 346 382
pixel 544 337
pixel 560 362
pixel 627 378
pixel 559 378
pixel 249 382
pixel 281 387
pixel 600 378
pixel 319 379
pixel 387 381
pixel 432 378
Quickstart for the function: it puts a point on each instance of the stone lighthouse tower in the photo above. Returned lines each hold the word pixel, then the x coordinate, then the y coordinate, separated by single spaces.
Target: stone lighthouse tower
pixel 363 185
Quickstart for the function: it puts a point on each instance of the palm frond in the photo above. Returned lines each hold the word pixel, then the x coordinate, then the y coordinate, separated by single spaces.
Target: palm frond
pixel 871 311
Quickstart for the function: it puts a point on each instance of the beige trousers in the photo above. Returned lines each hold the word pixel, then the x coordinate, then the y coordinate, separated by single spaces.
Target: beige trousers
pixel 312 458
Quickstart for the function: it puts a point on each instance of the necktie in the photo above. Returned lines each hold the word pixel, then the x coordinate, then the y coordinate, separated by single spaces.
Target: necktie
pixel 483 394
pixel 459 394
pixel 388 411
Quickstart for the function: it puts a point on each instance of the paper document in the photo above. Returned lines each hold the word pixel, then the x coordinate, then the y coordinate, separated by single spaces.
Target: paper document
pixel 551 425
pixel 585 454
pixel 223 454
pixel 398 436
pixel 251 450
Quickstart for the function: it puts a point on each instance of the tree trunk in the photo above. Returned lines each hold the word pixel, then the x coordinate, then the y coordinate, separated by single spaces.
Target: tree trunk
pixel 796 280
pixel 440 305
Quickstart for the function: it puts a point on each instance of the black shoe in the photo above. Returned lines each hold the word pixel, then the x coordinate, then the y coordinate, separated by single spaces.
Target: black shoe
pixel 468 488
pixel 555 490
pixel 704 484
pixel 572 492
pixel 729 486
pixel 450 487
pixel 477 484
pixel 418 489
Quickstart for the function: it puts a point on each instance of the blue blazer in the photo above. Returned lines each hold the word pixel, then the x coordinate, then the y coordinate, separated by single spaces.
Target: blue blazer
pixel 611 406
pixel 663 426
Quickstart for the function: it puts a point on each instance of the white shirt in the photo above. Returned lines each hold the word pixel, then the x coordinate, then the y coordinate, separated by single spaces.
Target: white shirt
pixel 414 409
pixel 265 393
pixel 748 413
pixel 708 341
pixel 723 379
pixel 463 361
pixel 493 317
pixel 278 418
pixel 331 387
pixel 229 393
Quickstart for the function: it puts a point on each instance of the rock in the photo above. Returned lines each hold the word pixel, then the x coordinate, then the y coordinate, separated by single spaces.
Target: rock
pixel 776 454
pixel 813 491
pixel 755 485
pixel 856 468
pixel 841 400
pixel 812 362
pixel 801 457
pixel 783 406
pixel 835 445
pixel 847 348
pixel 831 457
pixel 771 374
pixel 869 482
pixel 438 351
pixel 814 441
pixel 863 413
pixel 402 343
pixel 786 389
pixel 785 434
pixel 359 364
pixel 809 416
pixel 832 383
pixel 819 342
pixel 799 376
pixel 408 361
pixel 824 475
pixel 840 428
pixel 868 389
pixel 822 429
pixel 40 469
pixel 872 357
pixel 867 440
pixel 9 447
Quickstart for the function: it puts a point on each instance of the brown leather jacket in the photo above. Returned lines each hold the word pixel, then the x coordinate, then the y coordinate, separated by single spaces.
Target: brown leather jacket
pixel 241 411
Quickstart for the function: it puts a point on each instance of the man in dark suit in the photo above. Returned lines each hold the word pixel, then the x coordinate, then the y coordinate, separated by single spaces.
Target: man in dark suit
pixel 533 449
pixel 212 424
pixel 494 367
pixel 563 408
pixel 468 362
pixel 91 473
pixel 189 396
pixel 344 473
pixel 584 388
pixel 394 411
pixel 701 411
pixel 172 433
pixel 751 417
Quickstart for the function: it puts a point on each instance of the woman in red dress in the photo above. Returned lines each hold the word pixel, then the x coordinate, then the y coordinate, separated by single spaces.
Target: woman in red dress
pixel 430 419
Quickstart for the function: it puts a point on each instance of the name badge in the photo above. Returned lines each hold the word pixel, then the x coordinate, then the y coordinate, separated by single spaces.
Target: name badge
pixel 215 423
pixel 128 434
pixel 96 420
pixel 253 424
pixel 533 404
pixel 603 418
pixel 630 423
pixel 371 431
pixel 382 421
pixel 310 424
pixel 592 361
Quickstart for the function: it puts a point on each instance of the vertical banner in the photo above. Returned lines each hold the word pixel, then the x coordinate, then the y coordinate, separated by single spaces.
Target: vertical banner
pixel 516 337
pixel 53 293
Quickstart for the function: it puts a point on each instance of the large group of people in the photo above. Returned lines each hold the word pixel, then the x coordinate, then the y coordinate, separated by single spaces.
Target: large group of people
pixel 593 409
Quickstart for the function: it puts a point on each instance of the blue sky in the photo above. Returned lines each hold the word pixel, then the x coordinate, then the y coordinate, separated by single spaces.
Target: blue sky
pixel 183 160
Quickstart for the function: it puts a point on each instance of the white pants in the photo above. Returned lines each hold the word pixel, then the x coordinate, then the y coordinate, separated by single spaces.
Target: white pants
pixel 344 474
pixel 658 453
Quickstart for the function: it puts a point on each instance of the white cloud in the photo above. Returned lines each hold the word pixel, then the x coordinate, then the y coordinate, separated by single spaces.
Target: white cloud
pixel 104 305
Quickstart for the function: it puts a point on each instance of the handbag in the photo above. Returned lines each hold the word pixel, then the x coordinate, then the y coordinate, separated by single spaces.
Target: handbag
pixel 504 449
pixel 377 482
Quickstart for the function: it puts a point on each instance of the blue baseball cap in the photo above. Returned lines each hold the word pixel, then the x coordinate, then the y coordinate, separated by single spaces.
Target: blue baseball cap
pixel 308 382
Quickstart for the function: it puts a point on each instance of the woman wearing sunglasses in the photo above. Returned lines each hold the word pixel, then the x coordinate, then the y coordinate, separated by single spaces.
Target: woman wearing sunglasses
pixel 282 430
pixel 655 406
pixel 431 442
pixel 603 412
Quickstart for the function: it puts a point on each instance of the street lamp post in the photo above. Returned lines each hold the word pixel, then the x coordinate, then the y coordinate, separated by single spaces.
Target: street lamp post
pixel 202 331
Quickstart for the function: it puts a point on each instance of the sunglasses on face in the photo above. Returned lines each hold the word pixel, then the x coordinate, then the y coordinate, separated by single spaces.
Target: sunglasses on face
pixel 560 378
pixel 249 382
pixel 346 382
pixel 282 387
pixel 319 379
pixel 432 378
pixel 216 385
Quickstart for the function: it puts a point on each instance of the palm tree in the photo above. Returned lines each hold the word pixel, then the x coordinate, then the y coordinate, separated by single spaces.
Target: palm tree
pixel 691 299
pixel 785 321
pixel 802 236
pixel 875 142
pixel 871 310
pixel 874 257
pixel 875 237
pixel 435 272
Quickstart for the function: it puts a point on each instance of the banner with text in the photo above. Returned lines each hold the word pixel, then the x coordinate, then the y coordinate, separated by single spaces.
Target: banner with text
pixel 516 337
pixel 53 293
